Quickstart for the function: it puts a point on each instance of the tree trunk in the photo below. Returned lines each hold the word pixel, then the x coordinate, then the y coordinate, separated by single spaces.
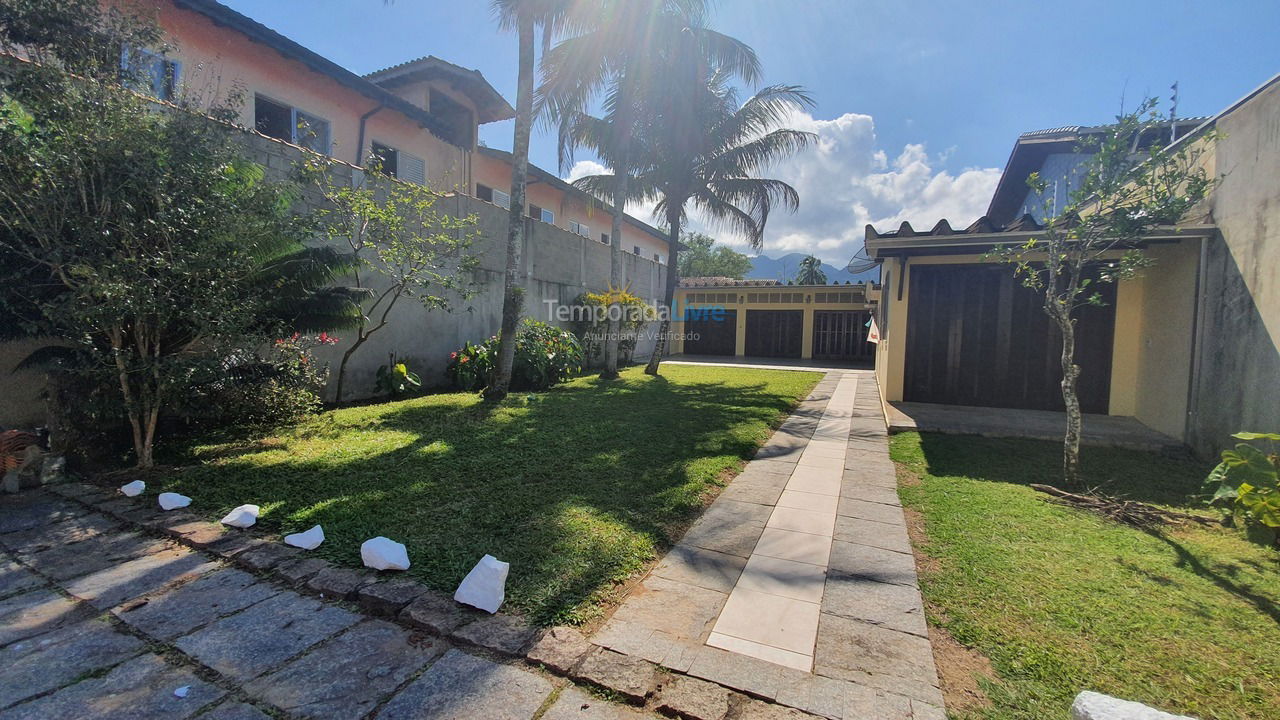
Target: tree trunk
pixel 342 365
pixel 669 297
pixel 513 288
pixel 1075 420
pixel 621 182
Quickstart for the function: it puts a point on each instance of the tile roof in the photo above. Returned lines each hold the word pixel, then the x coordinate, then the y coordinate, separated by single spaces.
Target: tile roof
pixel 472 83
pixel 981 226
pixel 699 282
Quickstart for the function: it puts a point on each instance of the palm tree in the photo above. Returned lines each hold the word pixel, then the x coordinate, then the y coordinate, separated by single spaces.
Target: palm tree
pixel 810 272
pixel 618 49
pixel 525 17
pixel 705 148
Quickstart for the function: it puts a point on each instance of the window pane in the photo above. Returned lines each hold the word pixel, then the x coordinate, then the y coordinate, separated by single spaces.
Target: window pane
pixel 388 156
pixel 272 119
pixel 501 199
pixel 484 192
pixel 547 217
pixel 312 132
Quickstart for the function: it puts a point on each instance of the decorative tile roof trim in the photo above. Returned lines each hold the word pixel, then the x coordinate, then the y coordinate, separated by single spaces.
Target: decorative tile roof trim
pixel 715 282
pixel 222 15
pixel 492 105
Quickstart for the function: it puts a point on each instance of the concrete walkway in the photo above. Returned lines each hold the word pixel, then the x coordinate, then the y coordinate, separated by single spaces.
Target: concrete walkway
pixel 798 584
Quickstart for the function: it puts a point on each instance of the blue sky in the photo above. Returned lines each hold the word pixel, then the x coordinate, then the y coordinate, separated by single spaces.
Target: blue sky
pixel 919 101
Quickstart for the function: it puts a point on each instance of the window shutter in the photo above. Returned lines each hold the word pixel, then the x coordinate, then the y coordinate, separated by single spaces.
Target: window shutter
pixel 411 168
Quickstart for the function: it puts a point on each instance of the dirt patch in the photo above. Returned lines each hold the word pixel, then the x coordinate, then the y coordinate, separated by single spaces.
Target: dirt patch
pixel 960 668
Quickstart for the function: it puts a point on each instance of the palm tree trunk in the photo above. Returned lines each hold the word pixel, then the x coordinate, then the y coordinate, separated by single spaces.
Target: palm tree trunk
pixel 621 182
pixel 669 298
pixel 513 288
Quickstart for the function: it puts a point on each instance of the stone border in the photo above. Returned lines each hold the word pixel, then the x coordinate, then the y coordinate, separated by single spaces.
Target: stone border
pixel 562 651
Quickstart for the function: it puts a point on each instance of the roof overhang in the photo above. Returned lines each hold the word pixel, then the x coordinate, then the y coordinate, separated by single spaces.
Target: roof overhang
pixel 979 243
pixel 490 104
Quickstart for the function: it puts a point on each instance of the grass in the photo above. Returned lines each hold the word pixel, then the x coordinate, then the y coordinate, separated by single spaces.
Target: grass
pixel 1183 618
pixel 578 487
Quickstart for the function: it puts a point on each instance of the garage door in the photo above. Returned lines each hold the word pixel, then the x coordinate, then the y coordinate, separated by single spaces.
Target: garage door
pixel 975 336
pixel 774 333
pixel 841 335
pixel 711 333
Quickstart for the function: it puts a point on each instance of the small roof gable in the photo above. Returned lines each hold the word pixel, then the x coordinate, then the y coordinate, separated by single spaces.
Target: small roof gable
pixel 492 106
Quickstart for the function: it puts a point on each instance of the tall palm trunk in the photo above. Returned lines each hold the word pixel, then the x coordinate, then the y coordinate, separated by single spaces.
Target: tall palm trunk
pixel 669 298
pixel 621 185
pixel 513 288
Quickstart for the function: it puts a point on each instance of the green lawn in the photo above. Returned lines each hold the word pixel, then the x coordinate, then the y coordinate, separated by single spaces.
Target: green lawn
pixel 1186 619
pixel 578 488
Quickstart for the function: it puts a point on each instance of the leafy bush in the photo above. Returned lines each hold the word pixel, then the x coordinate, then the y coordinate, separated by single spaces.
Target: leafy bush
pixel 591 323
pixel 275 386
pixel 396 379
pixel 545 356
pixel 1246 483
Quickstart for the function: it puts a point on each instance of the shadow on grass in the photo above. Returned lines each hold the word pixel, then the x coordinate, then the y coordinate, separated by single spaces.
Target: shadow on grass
pixel 1189 560
pixel 577 487
pixel 1129 474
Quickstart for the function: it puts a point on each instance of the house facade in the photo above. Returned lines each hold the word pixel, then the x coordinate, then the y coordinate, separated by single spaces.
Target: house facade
pixel 1189 348
pixel 421 118
pixel 768 319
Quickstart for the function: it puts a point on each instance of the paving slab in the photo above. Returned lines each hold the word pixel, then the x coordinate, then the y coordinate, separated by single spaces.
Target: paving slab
pixel 771 620
pixel 389 597
pixel 690 698
pixel 559 649
pixel 628 676
pixel 873 511
pixel 506 634
pixel 683 610
pixel 134 579
pixel 14 578
pixel 795 546
pixel 897 607
pixel 36 509
pixel 235 711
pixel 889 536
pixel 741 672
pixel 49 661
pixel 784 578
pixel 872 563
pixel 140 689
pixel 460 686
pixel 437 613
pixel 844 700
pixel 703 568
pixel 63 562
pixel 897 661
pixel 35 612
pixel 261 638
pixel 348 675
pixel 576 704
pixel 72 530
pixel 197 603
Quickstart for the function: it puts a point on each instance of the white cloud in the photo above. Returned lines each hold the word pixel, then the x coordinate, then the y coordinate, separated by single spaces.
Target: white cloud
pixel 846 181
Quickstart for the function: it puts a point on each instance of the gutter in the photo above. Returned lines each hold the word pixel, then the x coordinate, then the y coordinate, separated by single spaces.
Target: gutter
pixel 364 119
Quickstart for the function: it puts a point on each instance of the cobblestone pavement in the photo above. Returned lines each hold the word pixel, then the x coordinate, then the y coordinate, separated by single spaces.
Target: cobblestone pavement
pixel 798 583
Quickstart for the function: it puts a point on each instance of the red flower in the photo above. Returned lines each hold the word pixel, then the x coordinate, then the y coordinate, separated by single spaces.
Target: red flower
pixel 464 359
pixel 453 356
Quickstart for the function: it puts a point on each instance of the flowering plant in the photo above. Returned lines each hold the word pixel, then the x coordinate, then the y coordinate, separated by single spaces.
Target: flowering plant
pixel 545 356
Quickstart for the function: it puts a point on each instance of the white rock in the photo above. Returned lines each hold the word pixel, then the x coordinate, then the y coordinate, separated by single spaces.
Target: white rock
pixel 485 586
pixel 242 517
pixel 1096 706
pixel 309 540
pixel 182 691
pixel 134 488
pixel 382 554
pixel 171 501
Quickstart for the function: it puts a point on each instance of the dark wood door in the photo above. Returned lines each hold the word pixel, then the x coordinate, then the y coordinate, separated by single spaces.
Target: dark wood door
pixel 774 333
pixel 976 336
pixel 710 333
pixel 841 335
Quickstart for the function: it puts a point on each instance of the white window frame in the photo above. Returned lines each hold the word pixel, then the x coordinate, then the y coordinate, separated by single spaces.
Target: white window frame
pixel 547 216
pixel 501 199
pixel 578 228
pixel 294 111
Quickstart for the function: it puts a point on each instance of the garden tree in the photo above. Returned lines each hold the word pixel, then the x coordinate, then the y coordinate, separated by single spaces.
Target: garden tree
pixel 1132 183
pixel 704 147
pixel 810 272
pixel 141 243
pixel 401 247
pixel 623 49
pixel 701 257
pixel 525 17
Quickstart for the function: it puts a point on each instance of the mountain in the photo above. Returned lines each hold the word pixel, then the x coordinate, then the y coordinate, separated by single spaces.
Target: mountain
pixel 784 268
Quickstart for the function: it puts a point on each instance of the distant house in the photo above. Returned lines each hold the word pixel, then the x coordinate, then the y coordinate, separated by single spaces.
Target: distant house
pixel 1190 348
pixel 725 317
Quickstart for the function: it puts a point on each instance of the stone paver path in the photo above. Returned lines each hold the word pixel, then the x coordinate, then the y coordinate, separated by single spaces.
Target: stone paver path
pixel 798 583
pixel 98 620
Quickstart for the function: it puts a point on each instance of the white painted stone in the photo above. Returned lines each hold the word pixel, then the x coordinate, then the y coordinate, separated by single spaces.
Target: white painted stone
pixel 242 517
pixel 1096 706
pixel 172 501
pixel 485 586
pixel 381 553
pixel 182 691
pixel 133 489
pixel 309 540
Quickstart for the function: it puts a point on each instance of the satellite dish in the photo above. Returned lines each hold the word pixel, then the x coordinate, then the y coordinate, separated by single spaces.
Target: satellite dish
pixel 861 262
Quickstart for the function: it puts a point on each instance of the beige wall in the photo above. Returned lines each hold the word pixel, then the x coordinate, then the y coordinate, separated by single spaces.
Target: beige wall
pixel 497 174
pixel 736 299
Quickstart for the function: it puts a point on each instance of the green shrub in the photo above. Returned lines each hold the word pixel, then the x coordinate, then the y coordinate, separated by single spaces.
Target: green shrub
pixel 1245 482
pixel 591 324
pixel 545 356
pixel 396 379
pixel 271 387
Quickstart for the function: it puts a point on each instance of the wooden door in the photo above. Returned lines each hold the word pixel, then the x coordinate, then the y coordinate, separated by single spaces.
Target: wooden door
pixel 710 333
pixel 975 336
pixel 841 335
pixel 774 333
